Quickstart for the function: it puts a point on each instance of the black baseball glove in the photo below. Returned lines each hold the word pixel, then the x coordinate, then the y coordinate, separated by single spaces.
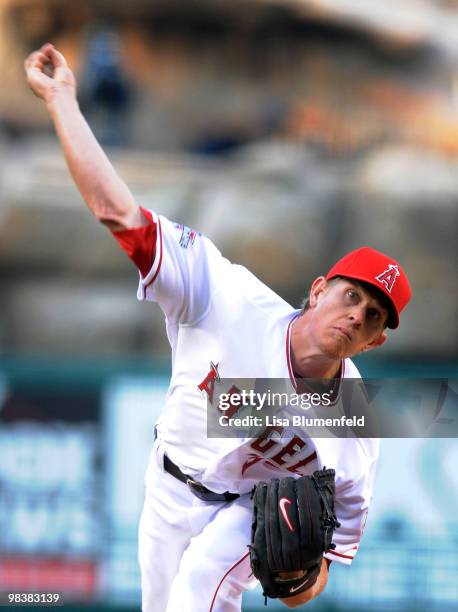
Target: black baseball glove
pixel 293 524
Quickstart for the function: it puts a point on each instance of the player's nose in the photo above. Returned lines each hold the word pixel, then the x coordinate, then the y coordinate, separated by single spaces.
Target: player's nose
pixel 356 315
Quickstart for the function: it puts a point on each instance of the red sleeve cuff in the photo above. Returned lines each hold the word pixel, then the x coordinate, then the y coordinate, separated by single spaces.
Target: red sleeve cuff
pixel 140 243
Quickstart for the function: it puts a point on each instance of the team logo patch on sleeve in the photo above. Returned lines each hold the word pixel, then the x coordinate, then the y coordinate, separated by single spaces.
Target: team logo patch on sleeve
pixel 187 236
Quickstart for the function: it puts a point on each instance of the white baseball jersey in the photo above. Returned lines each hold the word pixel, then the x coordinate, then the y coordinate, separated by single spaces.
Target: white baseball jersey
pixel 222 322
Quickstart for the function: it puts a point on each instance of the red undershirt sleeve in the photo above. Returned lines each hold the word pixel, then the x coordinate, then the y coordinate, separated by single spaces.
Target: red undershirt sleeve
pixel 140 243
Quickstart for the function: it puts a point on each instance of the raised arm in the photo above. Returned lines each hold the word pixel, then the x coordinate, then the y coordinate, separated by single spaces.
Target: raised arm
pixel 105 193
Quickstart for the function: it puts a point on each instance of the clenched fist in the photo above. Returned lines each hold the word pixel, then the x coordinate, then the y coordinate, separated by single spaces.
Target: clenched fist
pixel 48 73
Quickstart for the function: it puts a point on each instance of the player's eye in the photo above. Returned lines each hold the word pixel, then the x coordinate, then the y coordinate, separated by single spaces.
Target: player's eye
pixel 351 293
pixel 373 314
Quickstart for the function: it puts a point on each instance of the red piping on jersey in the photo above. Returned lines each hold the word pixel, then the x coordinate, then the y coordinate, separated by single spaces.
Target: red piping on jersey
pixel 288 351
pixel 224 578
pixel 333 552
pixel 160 255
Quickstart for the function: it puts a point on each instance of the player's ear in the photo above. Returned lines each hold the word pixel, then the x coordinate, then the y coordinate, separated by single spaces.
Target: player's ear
pixel 377 342
pixel 316 290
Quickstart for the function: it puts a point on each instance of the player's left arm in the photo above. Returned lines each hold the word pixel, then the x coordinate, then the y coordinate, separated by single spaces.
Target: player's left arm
pixel 317 588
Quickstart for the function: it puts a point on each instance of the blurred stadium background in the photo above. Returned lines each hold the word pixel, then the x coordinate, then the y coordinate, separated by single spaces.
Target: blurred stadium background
pixel 287 130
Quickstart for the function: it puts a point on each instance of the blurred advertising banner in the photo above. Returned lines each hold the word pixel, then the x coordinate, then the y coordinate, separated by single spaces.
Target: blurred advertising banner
pixel 51 532
pixel 73 453
pixel 131 406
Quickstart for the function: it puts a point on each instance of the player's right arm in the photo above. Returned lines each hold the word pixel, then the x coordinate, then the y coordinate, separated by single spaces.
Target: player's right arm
pixel 105 193
pixel 179 269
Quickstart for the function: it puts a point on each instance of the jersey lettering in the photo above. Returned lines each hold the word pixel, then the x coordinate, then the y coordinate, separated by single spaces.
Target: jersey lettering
pixel 208 383
pixel 389 276
pixel 272 465
pixel 264 443
pixel 294 469
pixel 252 460
pixel 293 447
pixel 233 408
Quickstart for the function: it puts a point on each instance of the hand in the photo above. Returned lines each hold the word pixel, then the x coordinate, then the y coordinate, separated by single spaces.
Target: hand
pixel 48 73
pixel 311 592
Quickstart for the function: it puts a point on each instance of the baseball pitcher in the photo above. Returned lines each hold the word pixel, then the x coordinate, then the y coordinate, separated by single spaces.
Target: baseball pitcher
pixel 221 514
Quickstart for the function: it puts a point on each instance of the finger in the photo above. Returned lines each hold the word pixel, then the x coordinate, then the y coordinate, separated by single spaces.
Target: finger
pixel 42 52
pixel 58 59
pixel 35 73
pixel 35 56
pixel 45 53
pixel 36 79
pixel 53 55
pixel 40 59
pixel 36 60
pixel 30 59
pixel 46 48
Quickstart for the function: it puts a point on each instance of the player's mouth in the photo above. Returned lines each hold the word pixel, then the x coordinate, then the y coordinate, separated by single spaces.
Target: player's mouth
pixel 343 332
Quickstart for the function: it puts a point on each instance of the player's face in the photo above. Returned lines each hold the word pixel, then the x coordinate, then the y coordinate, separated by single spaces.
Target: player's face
pixel 346 319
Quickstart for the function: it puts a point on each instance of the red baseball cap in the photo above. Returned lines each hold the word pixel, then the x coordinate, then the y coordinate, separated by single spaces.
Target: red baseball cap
pixel 377 269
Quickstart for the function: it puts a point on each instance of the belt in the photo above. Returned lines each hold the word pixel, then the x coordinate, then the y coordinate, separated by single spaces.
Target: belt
pixel 195 487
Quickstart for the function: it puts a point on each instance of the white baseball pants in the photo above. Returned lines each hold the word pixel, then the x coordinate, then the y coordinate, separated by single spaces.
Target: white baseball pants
pixel 193 554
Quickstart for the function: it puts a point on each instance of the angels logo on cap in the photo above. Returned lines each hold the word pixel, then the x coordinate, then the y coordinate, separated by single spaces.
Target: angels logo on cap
pixel 374 267
pixel 388 277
